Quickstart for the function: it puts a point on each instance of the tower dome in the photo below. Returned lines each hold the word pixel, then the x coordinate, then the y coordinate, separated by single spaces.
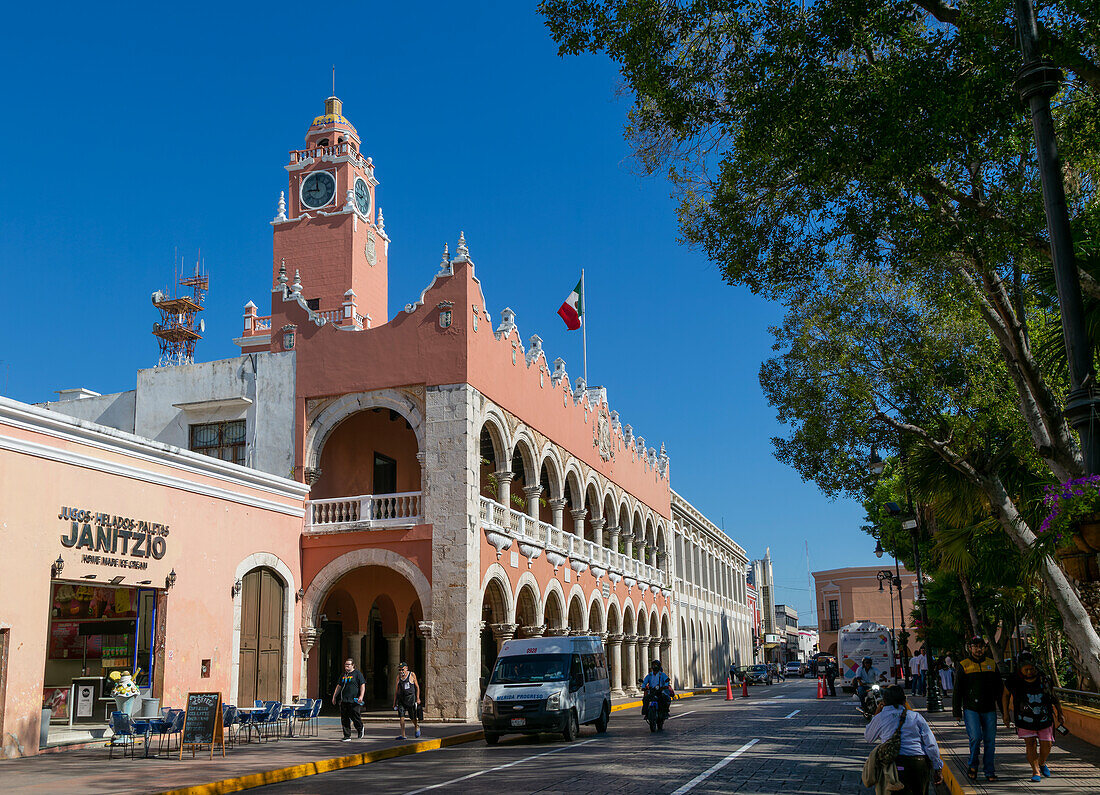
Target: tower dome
pixel 331 124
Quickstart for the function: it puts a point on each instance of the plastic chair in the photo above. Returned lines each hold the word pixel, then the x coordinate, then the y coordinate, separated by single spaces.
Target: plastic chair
pixel 302 712
pixel 313 715
pixel 231 717
pixel 286 714
pixel 121 727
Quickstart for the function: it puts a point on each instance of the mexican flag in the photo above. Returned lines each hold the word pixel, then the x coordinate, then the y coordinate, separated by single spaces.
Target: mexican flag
pixel 573 309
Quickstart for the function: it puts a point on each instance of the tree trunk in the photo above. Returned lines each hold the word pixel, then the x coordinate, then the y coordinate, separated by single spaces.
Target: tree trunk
pixel 969 598
pixel 1076 621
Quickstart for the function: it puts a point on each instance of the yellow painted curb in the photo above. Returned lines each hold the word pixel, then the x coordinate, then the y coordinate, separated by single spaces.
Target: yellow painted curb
pixel 323 766
pixel 954 784
pixel 341 762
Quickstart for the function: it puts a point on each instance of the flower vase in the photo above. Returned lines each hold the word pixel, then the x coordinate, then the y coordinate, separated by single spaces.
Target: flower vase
pixel 1087 535
pixel 1081 566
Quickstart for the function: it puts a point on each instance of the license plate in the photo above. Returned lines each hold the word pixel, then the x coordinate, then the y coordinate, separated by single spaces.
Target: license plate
pixel 519 722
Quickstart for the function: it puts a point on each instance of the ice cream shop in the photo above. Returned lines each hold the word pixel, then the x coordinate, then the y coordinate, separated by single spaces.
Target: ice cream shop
pixel 135 567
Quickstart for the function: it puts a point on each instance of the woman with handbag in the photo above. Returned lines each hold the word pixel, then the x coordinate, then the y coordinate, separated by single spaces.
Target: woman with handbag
pixel 406 699
pixel 917 756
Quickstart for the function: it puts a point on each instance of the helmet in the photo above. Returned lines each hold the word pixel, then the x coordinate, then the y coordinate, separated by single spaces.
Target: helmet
pixel 655 665
pixel 868 659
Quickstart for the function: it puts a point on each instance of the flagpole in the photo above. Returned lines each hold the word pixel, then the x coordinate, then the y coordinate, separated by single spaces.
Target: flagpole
pixel 584 326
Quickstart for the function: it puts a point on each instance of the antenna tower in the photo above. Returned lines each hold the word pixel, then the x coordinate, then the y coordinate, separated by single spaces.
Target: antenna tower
pixel 178 330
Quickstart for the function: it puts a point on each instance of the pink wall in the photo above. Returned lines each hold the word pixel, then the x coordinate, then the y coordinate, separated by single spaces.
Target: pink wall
pixel 208 537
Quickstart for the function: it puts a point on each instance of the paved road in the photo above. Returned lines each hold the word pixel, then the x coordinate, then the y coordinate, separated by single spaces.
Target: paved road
pixel 781 739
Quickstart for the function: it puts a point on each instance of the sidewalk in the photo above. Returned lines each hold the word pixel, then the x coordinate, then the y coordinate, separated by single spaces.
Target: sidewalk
pixel 1074 763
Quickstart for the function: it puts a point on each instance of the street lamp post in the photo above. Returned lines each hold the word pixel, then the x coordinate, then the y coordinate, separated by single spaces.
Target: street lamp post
pixel 1037 81
pixel 888 576
pixel 904 636
pixel 933 701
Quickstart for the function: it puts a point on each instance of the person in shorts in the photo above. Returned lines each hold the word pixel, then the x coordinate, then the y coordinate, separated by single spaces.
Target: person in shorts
pixel 406 699
pixel 1035 709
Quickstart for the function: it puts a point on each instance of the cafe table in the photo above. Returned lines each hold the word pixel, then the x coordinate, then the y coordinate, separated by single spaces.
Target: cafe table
pixel 147 727
pixel 251 712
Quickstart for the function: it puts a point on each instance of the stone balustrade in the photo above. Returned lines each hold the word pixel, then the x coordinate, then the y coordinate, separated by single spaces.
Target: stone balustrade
pixel 364 512
pixel 504 526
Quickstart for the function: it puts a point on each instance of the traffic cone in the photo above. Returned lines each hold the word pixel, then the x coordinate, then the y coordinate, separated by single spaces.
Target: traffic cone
pixel 745 689
pixel 729 689
pixel 821 687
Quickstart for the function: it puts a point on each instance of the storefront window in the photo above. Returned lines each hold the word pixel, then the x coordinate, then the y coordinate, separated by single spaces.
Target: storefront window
pixel 224 440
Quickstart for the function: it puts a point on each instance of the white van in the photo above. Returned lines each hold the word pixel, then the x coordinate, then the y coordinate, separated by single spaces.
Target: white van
pixel 547 685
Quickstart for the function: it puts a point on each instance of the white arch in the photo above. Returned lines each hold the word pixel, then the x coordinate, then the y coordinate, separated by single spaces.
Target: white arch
pixel 321 427
pixel 527 578
pixel 500 574
pixel 596 599
pixel 555 471
pixel 271 561
pixel 492 417
pixel 357 558
pixel 555 587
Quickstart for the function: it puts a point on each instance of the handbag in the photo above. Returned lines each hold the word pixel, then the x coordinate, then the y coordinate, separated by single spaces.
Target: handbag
pixel 880 770
pixel 419 711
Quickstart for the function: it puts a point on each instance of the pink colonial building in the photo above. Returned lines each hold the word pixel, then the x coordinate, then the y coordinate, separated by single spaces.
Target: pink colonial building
pixel 461 489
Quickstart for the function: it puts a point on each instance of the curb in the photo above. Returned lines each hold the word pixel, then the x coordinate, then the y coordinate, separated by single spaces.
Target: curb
pixel 955 784
pixel 281 774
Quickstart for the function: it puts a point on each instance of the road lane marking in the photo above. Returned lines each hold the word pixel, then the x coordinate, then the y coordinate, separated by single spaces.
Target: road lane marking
pixel 715 768
pixel 501 767
pixel 792 714
pixel 778 696
pixel 682 714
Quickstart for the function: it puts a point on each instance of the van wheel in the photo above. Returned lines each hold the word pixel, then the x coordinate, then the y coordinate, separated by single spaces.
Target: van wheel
pixel 601 722
pixel 492 738
pixel 570 733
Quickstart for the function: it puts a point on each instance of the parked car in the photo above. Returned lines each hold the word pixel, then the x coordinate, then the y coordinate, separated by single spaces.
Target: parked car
pixel 793 668
pixel 758 674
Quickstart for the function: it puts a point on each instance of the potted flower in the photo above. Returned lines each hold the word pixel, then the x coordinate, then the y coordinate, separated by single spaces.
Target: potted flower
pixel 1072 526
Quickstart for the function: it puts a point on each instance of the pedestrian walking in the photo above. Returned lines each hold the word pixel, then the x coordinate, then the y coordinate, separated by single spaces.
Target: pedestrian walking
pixel 947 674
pixel 406 699
pixel 918 669
pixel 978 689
pixel 1034 710
pixel 831 673
pixel 918 757
pixel 349 694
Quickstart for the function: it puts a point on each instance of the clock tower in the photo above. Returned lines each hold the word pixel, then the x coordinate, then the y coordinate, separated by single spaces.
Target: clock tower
pixel 329 229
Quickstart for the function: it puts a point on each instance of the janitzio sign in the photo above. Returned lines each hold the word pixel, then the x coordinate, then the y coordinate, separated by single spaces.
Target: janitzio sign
pixel 105 536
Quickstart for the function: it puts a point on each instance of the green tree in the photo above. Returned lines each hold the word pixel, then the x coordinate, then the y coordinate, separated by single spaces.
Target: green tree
pixel 867 163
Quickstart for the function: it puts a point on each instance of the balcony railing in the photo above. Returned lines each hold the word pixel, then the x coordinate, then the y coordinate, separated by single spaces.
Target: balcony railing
pixel 365 512
pixel 504 526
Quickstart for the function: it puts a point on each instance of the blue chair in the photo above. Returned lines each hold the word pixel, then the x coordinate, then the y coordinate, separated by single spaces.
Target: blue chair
pixel 313 715
pixel 174 726
pixel 258 703
pixel 286 714
pixel 302 712
pixel 271 719
pixel 231 717
pixel 123 729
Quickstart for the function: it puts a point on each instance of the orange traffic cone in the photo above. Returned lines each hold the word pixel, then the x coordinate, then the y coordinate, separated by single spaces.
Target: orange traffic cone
pixel 729 689
pixel 821 687
pixel 745 689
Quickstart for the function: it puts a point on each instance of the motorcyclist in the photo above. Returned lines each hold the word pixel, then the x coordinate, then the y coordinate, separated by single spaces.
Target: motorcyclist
pixel 656 685
pixel 865 676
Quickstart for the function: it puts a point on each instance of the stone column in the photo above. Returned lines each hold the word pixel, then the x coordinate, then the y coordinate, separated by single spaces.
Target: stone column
pixel 534 631
pixel 557 506
pixel 655 650
pixel 578 515
pixel 532 494
pixel 393 646
pixel 504 487
pixel 642 545
pixel 503 632
pixel 628 544
pixel 355 649
pixel 641 650
pixel 615 663
pixel 559 632
pixel 629 657
pixel 666 656
pixel 597 531
pixel 613 538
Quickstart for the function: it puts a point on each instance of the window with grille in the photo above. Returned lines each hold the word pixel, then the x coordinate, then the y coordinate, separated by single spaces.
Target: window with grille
pixel 834 615
pixel 224 440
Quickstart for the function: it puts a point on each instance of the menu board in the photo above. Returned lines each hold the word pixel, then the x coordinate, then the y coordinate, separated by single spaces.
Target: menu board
pixel 57 700
pixel 82 602
pixel 202 722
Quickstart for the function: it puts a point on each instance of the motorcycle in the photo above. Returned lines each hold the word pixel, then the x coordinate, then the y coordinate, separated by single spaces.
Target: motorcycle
pixel 871 701
pixel 656 712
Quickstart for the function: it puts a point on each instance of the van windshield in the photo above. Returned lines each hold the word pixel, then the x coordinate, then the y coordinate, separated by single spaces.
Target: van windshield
pixel 531 669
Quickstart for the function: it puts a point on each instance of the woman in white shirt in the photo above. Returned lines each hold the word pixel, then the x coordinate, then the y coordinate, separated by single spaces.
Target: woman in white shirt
pixel 919 758
pixel 947 674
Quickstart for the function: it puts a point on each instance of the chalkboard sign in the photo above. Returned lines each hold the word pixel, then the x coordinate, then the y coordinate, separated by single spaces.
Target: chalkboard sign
pixel 202 722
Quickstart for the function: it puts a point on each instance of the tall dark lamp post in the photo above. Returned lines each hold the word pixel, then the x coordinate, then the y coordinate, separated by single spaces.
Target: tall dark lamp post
pixel 888 576
pixel 933 700
pixel 1037 81
pixel 903 638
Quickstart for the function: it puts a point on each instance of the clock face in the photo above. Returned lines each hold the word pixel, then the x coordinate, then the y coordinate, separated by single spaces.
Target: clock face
pixel 362 196
pixel 318 189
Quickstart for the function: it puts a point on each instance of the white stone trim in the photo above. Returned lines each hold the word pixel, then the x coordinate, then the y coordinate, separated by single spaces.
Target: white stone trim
pixel 271 561
pixel 554 586
pixel 324 580
pixel 499 573
pixel 320 427
pixel 527 578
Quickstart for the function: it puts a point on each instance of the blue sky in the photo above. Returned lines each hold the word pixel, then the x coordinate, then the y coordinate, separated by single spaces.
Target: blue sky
pixel 134 131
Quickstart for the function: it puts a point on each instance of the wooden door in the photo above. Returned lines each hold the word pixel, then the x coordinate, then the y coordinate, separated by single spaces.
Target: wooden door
pixel 261 657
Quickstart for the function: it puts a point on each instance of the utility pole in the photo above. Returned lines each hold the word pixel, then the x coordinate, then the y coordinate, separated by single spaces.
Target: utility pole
pixel 1037 81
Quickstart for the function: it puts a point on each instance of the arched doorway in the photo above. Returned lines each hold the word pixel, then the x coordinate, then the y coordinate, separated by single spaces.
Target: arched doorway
pixel 260 662
pixel 494 613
